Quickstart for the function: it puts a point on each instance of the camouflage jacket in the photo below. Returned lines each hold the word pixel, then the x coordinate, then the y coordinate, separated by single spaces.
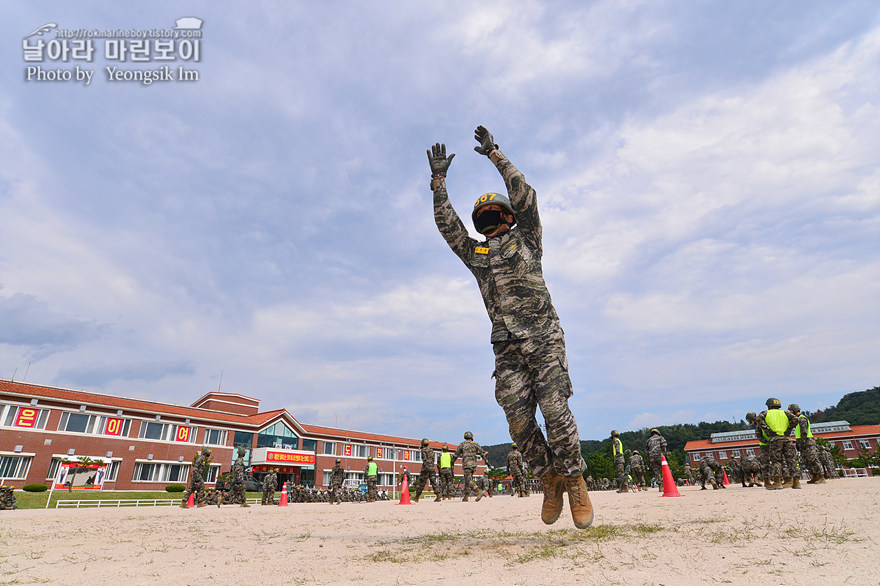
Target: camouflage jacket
pixel 507 267
pixel 636 462
pixel 656 445
pixel 337 475
pixel 515 462
pixel 238 470
pixel 762 427
pixel 468 451
pixel 428 457
pixel 198 469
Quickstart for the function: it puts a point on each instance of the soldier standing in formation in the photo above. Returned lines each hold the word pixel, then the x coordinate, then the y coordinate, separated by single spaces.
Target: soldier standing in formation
pixel 427 472
pixel 656 446
pixel 371 474
pixel 469 451
pixel 827 459
pixel 515 469
pixel 197 482
pixel 270 485
pixel 709 471
pixel 619 461
pixel 531 368
pixel 763 449
pixel 777 424
pixel 446 476
pixel 637 467
pixel 337 476
pixel 7 498
pixel 806 445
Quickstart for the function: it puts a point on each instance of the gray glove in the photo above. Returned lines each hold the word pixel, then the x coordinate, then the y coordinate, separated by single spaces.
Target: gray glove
pixel 487 143
pixel 438 160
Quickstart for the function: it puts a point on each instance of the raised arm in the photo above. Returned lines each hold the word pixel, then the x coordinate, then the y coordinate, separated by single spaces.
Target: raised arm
pixel 447 220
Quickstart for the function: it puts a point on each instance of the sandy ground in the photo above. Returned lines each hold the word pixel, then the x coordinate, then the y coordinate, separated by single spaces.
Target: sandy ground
pixel 825 534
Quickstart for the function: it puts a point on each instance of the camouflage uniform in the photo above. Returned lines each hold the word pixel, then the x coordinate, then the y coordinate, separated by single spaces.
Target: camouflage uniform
pixel 372 484
pixel 469 451
pixel 656 446
pixel 270 485
pixel 531 368
pixel 637 467
pixel 806 445
pixel 337 476
pixel 238 496
pixel 427 473
pixel 619 463
pixel 197 482
pixel 751 469
pixel 709 471
pixel 515 469
pixel 782 452
pixel 827 459
pixel 447 479
pixel 7 498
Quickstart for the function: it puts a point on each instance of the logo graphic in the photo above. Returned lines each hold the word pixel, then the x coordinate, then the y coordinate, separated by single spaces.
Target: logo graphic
pixel 188 22
pixel 43 29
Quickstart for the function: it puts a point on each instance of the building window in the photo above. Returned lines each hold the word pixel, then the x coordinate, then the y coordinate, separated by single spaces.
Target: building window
pixel 696 456
pixel 416 455
pixel 310 445
pixel 213 472
pixel 112 471
pixel 15 466
pixel 734 453
pixel 72 422
pixel 865 444
pixel 26 417
pixel 329 448
pixel 722 455
pixel 385 479
pixel 160 472
pixel 215 437
pixel 847 445
pixel 359 451
pixel 278 436
pixel 154 431
pixel 242 439
pixel 750 451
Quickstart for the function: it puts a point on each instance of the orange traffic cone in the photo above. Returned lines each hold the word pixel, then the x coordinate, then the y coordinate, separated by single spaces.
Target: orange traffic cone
pixel 726 481
pixel 669 488
pixel 282 502
pixel 192 500
pixel 404 491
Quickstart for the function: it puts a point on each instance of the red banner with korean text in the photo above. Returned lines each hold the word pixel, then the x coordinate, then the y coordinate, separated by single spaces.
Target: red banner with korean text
pixel 378 453
pixel 183 433
pixel 114 426
pixel 347 450
pixel 286 458
pixel 27 417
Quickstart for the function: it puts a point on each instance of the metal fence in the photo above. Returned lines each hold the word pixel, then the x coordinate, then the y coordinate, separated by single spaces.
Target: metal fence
pixel 94 503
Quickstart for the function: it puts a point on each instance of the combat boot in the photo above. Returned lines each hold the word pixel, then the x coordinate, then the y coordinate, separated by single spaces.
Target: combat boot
pixel 774 483
pixel 713 483
pixel 554 488
pixel 820 480
pixel 795 482
pixel 464 499
pixel 786 482
pixel 479 496
pixel 579 501
pixel 416 498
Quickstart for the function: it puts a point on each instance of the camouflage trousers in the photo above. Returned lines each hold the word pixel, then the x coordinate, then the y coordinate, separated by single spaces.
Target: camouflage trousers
pixel 638 475
pixel 517 483
pixel 268 495
pixel 751 471
pixel 764 461
pixel 372 488
pixel 446 481
pixel 470 487
pixel 783 456
pixel 810 455
pixel 657 469
pixel 196 487
pixel 336 492
pixel 237 493
pixel 708 471
pixel 425 475
pixel 531 374
pixel 619 469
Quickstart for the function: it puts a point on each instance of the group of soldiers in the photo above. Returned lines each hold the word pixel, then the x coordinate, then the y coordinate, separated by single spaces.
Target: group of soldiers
pixel 656 450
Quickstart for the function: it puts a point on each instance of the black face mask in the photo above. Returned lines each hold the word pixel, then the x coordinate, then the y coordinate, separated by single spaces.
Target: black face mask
pixel 488 221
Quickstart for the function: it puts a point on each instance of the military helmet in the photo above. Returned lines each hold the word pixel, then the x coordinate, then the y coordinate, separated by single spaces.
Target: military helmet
pixel 751 416
pixel 338 461
pixel 369 458
pixel 513 445
pixel 614 433
pixel 655 430
pixel 445 447
pixel 468 435
pixel 794 408
pixel 425 441
pixel 206 450
pixel 242 451
pixel 635 451
pixel 489 221
pixel 773 403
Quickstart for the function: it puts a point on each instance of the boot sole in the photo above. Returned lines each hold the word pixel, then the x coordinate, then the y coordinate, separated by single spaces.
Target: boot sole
pixel 588 523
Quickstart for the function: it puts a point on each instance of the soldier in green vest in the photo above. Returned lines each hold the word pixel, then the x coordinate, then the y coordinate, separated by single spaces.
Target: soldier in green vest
pixel 371 474
pixel 806 445
pixel 777 424
pixel 763 450
pixel 619 460
pixel 446 477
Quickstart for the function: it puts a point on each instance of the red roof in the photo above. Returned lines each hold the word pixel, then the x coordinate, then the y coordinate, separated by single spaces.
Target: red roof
pixel 855 431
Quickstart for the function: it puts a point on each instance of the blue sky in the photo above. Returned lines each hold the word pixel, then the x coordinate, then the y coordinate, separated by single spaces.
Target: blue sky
pixel 707 174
